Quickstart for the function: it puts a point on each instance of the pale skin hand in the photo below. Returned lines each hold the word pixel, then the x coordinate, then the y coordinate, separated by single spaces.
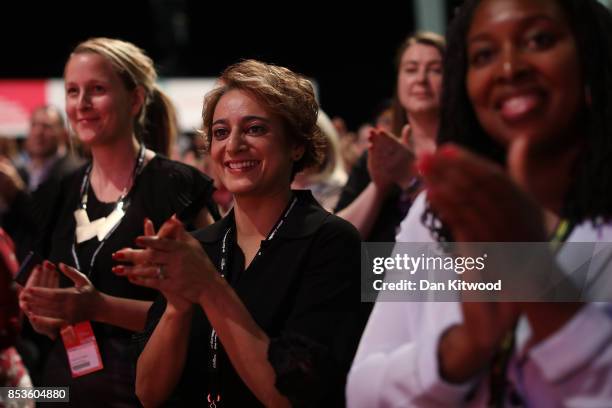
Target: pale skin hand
pixel 44 276
pixel 72 305
pixel 53 307
pixel 190 274
pixel 474 198
pixel 390 160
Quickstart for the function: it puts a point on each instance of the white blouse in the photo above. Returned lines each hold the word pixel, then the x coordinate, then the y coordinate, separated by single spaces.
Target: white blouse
pixel 396 364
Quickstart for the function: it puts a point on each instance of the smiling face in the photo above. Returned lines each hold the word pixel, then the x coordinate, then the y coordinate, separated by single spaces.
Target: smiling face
pixel 523 76
pixel 419 79
pixel 98 105
pixel 250 152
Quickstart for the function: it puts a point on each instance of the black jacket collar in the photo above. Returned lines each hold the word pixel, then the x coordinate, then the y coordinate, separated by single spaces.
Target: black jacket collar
pixel 304 220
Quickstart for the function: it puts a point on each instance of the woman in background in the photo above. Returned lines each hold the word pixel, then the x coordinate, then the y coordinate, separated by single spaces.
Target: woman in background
pixel 326 179
pixel 382 185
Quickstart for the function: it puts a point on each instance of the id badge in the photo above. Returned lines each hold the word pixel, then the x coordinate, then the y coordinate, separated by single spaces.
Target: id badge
pixel 82 349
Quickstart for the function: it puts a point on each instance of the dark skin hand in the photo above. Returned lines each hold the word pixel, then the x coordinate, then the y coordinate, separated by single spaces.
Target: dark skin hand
pixel 474 198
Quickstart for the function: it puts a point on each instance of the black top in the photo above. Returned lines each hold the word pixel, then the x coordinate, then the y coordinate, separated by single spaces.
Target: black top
pixel 162 189
pixel 394 208
pixel 303 291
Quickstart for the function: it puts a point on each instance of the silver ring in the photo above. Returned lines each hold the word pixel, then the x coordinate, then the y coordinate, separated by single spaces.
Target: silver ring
pixel 160 272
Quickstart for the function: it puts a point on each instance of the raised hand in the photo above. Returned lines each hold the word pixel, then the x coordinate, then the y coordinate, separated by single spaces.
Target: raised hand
pixel 55 306
pixel 168 230
pixel 176 265
pixel 390 160
pixel 477 199
pixel 44 276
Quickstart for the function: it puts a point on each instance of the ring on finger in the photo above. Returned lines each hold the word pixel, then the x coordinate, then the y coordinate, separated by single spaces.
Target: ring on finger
pixel 161 274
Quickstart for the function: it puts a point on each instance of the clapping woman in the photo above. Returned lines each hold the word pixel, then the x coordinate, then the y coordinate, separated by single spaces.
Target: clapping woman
pixel 263 306
pixel 116 109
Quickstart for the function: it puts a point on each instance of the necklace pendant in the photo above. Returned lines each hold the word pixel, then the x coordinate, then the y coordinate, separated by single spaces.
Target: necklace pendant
pixel 111 221
pixel 100 228
pixel 87 231
pixel 81 217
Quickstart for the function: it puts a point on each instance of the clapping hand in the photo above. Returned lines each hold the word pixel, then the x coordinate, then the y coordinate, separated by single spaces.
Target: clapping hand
pixel 49 307
pixel 172 262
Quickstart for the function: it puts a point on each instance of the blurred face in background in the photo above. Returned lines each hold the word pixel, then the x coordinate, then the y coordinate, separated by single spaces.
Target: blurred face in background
pixel 45 134
pixel 419 81
pixel 524 76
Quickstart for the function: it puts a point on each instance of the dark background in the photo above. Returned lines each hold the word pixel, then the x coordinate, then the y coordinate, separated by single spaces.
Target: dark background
pixel 348 49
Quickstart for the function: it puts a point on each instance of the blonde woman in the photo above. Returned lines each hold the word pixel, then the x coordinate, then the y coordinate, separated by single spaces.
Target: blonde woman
pixel 119 113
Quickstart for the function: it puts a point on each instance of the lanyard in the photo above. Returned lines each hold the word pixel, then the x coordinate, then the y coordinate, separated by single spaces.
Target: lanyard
pixel 563 230
pixel 122 204
pixel 214 395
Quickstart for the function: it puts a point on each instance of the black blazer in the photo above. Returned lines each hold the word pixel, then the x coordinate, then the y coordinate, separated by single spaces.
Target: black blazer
pixel 304 292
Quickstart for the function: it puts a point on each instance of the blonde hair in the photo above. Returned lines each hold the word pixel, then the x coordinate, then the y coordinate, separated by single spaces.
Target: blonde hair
pixel 156 121
pixel 331 167
pixel 284 93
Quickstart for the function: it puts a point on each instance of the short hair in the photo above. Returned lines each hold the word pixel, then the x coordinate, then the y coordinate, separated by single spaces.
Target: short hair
pixel 428 38
pixel 156 122
pixel 284 93
pixel 591 25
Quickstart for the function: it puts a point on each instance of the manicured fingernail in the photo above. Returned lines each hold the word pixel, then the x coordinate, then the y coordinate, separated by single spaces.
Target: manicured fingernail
pixel 449 151
pixel 118 255
pixel 48 265
pixel 424 163
pixel 119 269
